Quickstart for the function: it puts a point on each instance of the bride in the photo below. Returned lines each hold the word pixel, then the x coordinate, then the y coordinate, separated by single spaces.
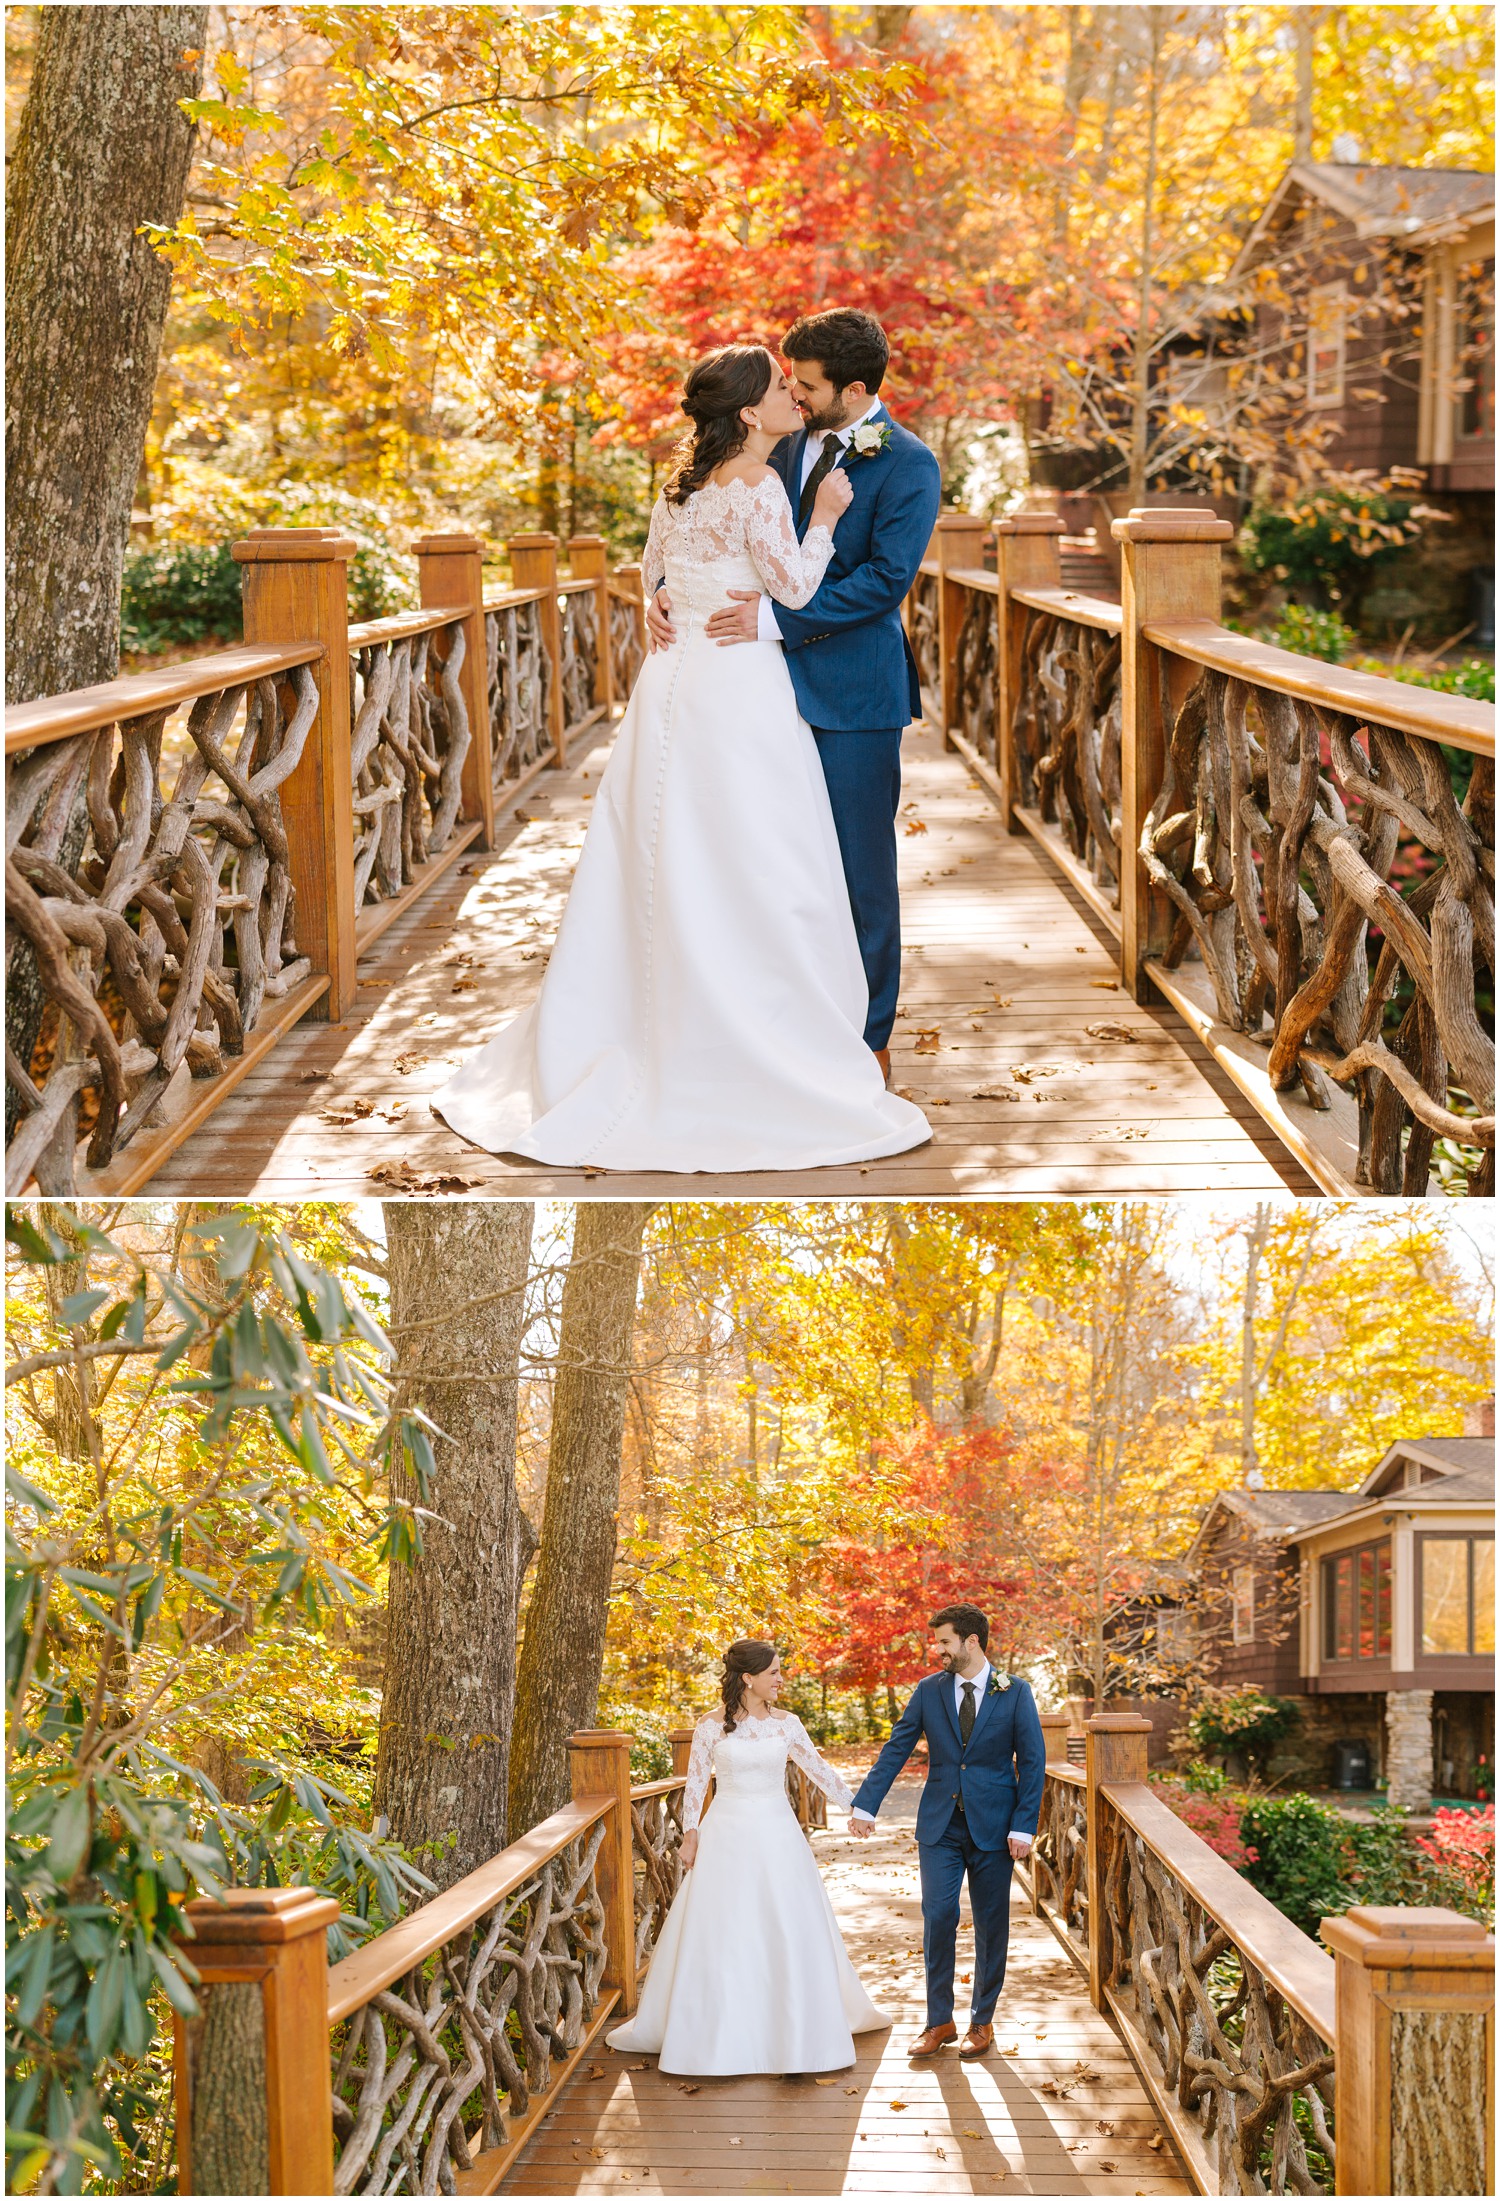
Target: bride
pixel 705 1002
pixel 750 1972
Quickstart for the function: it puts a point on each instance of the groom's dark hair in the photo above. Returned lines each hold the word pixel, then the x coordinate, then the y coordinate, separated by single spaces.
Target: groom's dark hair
pixel 849 346
pixel 964 1620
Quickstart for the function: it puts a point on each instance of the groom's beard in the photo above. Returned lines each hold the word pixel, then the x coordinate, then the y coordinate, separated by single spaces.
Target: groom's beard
pixel 819 424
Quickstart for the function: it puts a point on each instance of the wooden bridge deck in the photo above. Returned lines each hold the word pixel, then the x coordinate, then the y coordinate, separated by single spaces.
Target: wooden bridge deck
pixel 1002 960
pixel 886 2126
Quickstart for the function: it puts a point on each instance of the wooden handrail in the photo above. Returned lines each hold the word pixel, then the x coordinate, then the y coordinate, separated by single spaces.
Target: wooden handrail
pixel 398 625
pixel 976 577
pixel 85 710
pixel 648 1789
pixel 1068 603
pixel 411 1940
pixel 1455 719
pixel 1293 1963
pixel 504 599
pixel 1072 1776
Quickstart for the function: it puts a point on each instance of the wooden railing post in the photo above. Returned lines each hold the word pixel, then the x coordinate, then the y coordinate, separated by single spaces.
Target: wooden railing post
pixel 451 571
pixel 600 1759
pixel 1116 1754
pixel 533 564
pixel 1026 556
pixel 1415 2002
pixel 681 1739
pixel 295 583
pixel 1170 569
pixel 590 554
pixel 1055 1736
pixel 252 2071
pixel 958 541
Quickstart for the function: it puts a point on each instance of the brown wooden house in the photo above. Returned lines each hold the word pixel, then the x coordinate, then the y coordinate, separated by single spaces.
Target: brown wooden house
pixel 1376 1606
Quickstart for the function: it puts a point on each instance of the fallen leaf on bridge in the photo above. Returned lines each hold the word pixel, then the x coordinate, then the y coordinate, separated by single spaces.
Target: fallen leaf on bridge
pixel 466 986
pixel 851 2089
pixel 915 825
pixel 407 1063
pixel 1105 2124
pixel 1106 985
pixel 928 1041
pixel 401 1177
pixel 898 2105
pixel 996 1092
pixel 1157 2141
pixel 690 2090
pixel 1111 1031
pixel 638 2067
pixel 311 1077
pixel 1002 1001
pixel 342 1112
pixel 825 2082
pixel 1108 2166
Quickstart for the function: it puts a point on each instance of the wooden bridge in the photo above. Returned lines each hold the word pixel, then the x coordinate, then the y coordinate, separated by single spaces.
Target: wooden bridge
pixel 1163 2028
pixel 1182 912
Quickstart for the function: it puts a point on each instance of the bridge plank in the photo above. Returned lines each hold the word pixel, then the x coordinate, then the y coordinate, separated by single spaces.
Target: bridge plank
pixel 966 2128
pixel 988 921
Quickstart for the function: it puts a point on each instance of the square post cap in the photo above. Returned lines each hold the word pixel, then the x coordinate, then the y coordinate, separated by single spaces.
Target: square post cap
pixel 448 543
pixel 1118 1723
pixel 1031 523
pixel 531 542
pixel 1387 1938
pixel 1170 524
pixel 260 1914
pixel 293 546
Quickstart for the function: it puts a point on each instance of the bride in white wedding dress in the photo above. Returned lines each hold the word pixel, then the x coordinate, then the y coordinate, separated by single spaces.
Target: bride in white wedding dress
pixel 750 1972
pixel 705 1002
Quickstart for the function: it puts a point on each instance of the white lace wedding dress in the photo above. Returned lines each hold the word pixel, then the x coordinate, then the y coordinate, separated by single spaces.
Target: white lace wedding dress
pixel 750 1972
pixel 704 1005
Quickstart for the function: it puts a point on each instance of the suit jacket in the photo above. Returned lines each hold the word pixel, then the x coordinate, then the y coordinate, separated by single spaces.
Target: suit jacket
pixel 998 1773
pixel 846 650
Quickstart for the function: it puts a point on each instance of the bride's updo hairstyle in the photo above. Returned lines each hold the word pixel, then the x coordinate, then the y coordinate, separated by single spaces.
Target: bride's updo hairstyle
pixel 748 1656
pixel 712 397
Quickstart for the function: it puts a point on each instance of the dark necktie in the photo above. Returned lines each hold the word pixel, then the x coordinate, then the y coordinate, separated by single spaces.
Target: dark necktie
pixel 828 458
pixel 966 1712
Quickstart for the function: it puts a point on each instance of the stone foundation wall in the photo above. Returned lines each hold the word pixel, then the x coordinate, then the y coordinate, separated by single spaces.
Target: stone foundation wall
pixel 1305 1760
pixel 1408 1728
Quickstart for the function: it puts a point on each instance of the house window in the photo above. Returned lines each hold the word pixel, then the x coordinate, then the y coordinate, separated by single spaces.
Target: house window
pixel 1458 1596
pixel 1176 1635
pixel 1244 1604
pixel 1327 318
pixel 1357 1604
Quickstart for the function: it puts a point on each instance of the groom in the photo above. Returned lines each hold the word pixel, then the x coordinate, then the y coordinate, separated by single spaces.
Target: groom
pixel 851 666
pixel 985 1763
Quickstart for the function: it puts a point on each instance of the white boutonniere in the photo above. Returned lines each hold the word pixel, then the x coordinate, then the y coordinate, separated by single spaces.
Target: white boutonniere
pixel 869 437
pixel 999 1683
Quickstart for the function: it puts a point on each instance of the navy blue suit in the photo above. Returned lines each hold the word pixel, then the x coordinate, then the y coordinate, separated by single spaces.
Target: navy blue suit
pixel 977 1794
pixel 855 678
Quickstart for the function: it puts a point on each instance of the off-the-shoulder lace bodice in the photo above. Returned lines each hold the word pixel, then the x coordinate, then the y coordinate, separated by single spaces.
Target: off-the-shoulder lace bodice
pixel 732 534
pixel 755 1754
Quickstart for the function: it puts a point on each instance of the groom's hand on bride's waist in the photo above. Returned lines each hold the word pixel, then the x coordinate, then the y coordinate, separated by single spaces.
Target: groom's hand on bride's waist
pixel 739 619
pixel 659 628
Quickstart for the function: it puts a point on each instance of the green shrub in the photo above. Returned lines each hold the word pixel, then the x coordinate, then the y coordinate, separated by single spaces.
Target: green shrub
pixel 1329 540
pixel 1321 634
pixel 1243 1723
pixel 650 1751
pixel 1388 1866
pixel 1474 677
pixel 1304 1857
pixel 183 592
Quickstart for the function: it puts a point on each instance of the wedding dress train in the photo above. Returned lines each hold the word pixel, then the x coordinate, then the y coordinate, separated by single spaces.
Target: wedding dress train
pixel 704 1005
pixel 750 1972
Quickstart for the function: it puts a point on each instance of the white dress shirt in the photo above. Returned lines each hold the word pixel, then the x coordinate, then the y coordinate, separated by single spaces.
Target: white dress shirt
pixel 766 629
pixel 979 1683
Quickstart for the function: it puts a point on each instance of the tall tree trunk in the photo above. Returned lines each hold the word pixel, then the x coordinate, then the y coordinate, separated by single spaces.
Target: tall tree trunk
pixel 103 147
pixel 458 1284
pixel 72 1388
pixel 1140 378
pixel 562 1655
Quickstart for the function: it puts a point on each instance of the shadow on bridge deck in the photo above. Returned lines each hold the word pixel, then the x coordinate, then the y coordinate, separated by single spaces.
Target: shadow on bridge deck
pixel 1002 961
pixel 886 2126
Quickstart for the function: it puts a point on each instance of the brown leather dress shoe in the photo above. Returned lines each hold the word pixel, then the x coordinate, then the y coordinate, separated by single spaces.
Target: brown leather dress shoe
pixel 978 2041
pixel 935 2037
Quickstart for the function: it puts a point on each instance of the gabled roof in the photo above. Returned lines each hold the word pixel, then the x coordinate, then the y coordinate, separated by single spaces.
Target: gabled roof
pixel 1448 1457
pixel 1274 1514
pixel 1409 204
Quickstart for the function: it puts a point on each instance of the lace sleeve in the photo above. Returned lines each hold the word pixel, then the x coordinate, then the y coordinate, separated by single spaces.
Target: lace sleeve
pixel 790 570
pixel 654 556
pixel 799 1748
pixel 699 1772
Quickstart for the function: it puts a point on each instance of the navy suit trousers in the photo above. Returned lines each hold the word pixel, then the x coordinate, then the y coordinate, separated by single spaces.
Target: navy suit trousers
pixel 943 1865
pixel 863 771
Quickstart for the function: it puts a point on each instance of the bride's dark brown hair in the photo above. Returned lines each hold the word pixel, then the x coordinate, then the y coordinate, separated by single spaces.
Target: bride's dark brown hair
pixel 713 396
pixel 748 1656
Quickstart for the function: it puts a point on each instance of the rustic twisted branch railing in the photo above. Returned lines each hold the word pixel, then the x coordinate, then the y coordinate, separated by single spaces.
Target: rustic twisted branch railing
pixel 1066 734
pixel 1274 834
pixel 447 2029
pixel 626 635
pixel 410 736
pixel 147 879
pixel 1057 1867
pixel 520 688
pixel 922 630
pixel 656 1834
pixel 578 637
pixel 1233 2006
pixel 978 673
